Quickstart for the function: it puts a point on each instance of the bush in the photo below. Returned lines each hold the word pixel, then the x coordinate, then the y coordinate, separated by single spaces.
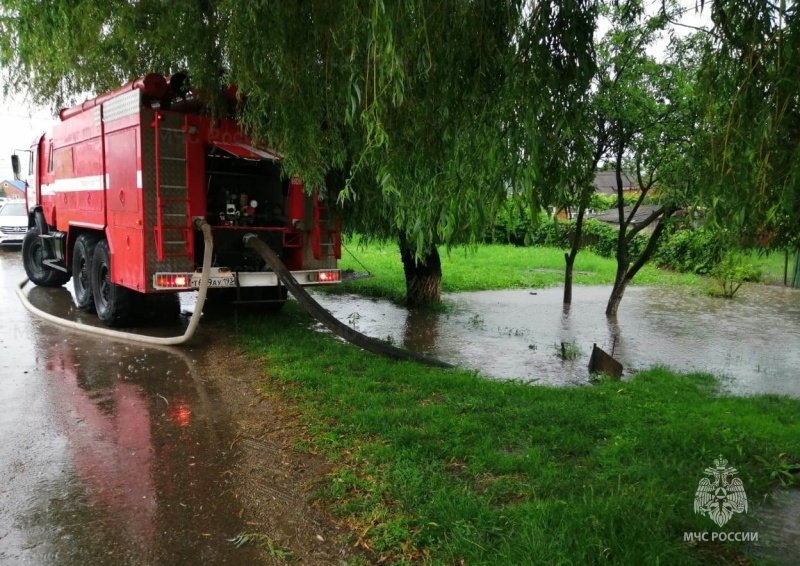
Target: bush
pixel 694 251
pixel 601 238
pixel 553 233
pixel 510 224
pixel 513 225
pixel 732 272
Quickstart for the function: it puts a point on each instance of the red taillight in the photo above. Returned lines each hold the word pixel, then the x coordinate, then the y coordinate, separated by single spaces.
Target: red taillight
pixel 328 276
pixel 181 414
pixel 172 281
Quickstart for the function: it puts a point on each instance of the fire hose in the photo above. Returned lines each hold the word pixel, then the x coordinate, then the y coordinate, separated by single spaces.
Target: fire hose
pixel 327 319
pixel 130 336
pixel 285 276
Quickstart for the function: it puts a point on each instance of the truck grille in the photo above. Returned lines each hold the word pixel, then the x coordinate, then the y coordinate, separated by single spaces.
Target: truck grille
pixel 13 229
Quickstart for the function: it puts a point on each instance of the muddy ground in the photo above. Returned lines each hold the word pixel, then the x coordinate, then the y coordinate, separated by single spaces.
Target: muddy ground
pixel 275 482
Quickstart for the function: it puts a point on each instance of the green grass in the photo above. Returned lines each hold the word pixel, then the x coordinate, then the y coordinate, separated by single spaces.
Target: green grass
pixel 490 266
pixel 441 466
pixel 770 264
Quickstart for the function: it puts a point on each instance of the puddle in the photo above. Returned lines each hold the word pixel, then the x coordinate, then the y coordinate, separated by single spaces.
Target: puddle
pixel 751 341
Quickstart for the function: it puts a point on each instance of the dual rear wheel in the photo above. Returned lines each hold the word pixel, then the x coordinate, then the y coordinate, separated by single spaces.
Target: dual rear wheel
pixel 82 255
pixel 115 305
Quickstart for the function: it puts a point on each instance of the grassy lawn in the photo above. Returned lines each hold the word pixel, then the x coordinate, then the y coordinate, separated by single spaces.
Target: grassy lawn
pixel 492 266
pixel 444 466
pixel 770 264
pixel 448 467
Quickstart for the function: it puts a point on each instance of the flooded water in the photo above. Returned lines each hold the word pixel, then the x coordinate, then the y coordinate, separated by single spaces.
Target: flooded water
pixel 750 341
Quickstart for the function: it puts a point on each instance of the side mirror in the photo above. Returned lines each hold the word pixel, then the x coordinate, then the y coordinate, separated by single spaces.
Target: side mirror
pixel 15 166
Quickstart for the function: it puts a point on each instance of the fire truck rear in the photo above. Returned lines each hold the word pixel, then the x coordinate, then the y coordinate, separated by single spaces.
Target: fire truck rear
pixel 115 187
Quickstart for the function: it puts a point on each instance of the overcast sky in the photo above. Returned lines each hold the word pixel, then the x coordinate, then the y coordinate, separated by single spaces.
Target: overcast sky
pixel 20 123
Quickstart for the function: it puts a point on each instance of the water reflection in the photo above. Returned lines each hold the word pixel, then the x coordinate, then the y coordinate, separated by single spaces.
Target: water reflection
pixel 420 330
pixel 107 427
pixel 140 451
pixel 751 340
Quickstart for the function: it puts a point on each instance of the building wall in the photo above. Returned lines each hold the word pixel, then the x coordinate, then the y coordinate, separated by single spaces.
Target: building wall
pixel 11 191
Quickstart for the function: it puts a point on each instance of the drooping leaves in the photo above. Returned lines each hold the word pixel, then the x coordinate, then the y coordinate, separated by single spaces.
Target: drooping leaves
pixel 752 139
pixel 428 113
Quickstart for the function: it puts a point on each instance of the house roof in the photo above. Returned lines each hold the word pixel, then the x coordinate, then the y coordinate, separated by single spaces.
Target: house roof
pixel 612 215
pixel 19 185
pixel 606 182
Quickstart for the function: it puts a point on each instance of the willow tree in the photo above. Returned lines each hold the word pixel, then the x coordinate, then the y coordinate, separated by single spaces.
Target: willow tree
pixel 751 74
pixel 430 110
pixel 56 51
pixel 426 113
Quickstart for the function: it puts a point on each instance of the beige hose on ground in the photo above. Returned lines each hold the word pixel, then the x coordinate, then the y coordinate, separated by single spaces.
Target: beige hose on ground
pixel 130 336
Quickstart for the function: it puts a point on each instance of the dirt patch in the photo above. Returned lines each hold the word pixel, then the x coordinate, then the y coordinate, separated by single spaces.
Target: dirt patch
pixel 274 481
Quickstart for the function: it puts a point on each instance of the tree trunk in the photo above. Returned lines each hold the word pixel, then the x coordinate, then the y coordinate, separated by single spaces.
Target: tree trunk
pixel 616 296
pixel 423 278
pixel 625 271
pixel 569 260
pixel 796 274
pixel 786 268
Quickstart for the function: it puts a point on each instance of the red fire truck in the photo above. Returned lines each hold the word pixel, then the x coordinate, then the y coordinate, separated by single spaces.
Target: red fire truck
pixel 115 188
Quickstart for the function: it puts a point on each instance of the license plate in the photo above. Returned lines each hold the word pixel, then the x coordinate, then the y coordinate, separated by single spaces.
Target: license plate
pixel 216 282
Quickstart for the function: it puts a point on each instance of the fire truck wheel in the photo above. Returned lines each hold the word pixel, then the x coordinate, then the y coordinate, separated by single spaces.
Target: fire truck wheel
pixel 115 305
pixel 82 271
pixel 32 259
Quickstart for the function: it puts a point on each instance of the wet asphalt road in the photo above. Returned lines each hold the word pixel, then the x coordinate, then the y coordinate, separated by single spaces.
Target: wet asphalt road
pixel 109 453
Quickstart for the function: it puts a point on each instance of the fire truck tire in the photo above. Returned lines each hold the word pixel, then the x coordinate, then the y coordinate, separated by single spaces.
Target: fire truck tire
pixel 82 256
pixel 115 305
pixel 32 260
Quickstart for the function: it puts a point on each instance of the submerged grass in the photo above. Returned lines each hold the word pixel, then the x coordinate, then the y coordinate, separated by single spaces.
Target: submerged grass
pixel 487 267
pixel 447 467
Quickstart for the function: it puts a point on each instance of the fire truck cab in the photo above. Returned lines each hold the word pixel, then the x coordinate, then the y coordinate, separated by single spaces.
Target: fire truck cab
pixel 115 187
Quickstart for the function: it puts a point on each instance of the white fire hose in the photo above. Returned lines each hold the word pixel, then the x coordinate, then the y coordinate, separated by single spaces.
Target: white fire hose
pixel 130 336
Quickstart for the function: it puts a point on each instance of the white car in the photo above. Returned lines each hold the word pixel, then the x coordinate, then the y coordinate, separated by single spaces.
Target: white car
pixel 13 222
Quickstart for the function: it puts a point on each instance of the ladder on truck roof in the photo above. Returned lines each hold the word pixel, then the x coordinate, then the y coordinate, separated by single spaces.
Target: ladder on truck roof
pixel 173 230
